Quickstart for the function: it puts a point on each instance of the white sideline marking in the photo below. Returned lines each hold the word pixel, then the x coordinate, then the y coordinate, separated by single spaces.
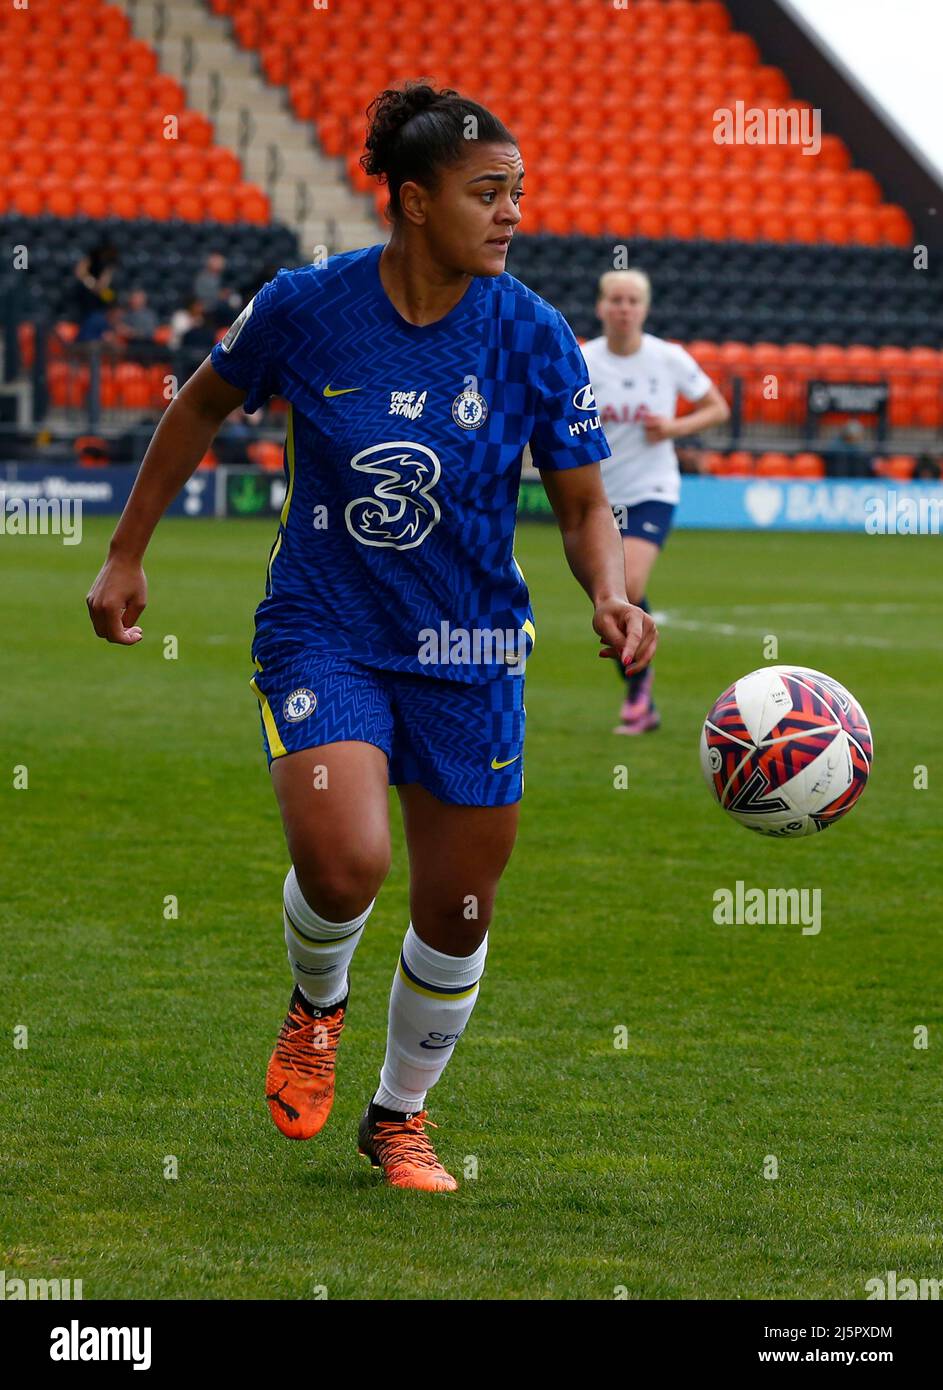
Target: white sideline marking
pixel 821 607
pixel 845 639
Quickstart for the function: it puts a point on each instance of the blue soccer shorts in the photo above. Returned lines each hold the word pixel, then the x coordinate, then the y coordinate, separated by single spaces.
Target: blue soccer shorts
pixel 463 742
pixel 649 521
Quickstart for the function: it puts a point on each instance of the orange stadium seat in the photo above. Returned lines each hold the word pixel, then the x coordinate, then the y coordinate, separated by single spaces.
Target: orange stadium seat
pixel 899 467
pixel 636 85
pixel 798 361
pixel 861 362
pixel 925 359
pixel 266 454
pixel 808 465
pixel 829 361
pixel 26 341
pixel 774 465
pixel 892 359
pixel 684 58
pixel 900 410
pixel 925 398
pixel 118 199
pixel 862 187
pixel 92 107
pixel 832 225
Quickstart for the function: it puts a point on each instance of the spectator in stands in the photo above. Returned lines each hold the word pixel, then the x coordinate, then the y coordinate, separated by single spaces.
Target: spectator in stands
pixel 139 322
pixel 95 273
pixel 220 301
pixel 194 344
pixel 848 456
pixel 182 320
pixel 201 335
pixel 103 325
pixel 208 284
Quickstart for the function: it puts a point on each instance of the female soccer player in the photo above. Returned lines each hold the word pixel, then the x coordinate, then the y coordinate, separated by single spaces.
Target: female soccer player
pixel 391 641
pixel 637 379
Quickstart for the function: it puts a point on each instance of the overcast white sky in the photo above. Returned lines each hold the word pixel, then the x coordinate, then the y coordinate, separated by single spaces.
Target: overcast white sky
pixel 895 48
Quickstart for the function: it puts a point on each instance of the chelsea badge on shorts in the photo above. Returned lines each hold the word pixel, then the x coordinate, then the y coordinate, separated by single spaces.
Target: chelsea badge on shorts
pixel 470 410
pixel 299 705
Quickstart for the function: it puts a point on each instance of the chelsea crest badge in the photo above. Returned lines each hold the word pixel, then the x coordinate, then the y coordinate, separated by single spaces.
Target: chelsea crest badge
pixel 470 410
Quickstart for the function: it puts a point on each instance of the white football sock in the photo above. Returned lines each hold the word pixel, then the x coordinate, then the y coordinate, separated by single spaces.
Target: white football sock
pixel 430 1003
pixel 319 952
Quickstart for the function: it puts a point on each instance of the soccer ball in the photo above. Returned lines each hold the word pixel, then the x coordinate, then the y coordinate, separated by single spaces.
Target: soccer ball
pixel 786 750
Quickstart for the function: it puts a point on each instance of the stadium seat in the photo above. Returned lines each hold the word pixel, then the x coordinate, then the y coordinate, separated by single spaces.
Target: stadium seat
pixel 899 467
pixel 808 465
pixel 109 101
pixel 740 464
pixel 544 77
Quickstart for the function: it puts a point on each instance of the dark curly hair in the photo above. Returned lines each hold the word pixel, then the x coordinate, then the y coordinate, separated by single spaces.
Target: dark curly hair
pixel 415 131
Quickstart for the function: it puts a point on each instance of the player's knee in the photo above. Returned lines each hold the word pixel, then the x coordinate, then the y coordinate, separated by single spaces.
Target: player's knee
pixel 340 886
pixel 460 927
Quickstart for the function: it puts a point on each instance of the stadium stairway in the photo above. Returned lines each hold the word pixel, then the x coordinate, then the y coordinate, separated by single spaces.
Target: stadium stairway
pixel 307 190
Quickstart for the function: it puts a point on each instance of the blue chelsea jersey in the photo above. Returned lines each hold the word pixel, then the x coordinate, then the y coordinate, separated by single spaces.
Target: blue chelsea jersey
pixel 403 458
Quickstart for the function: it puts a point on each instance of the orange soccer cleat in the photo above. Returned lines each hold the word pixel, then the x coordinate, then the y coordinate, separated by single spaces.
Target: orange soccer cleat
pixel 403 1150
pixel 299 1083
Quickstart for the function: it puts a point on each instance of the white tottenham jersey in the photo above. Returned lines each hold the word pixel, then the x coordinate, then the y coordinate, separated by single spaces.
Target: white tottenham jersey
pixel 647 382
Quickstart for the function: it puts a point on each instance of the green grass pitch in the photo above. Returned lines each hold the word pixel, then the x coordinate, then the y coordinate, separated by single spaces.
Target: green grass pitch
pixel 598 1167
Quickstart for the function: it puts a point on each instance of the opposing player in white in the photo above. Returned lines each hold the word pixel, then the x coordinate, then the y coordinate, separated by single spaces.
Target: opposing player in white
pixel 637 379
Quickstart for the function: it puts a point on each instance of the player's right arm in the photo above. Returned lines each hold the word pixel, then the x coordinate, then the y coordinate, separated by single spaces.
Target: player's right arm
pixel 186 430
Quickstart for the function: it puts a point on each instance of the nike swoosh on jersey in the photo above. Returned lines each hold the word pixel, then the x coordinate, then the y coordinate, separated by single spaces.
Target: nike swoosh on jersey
pixel 344 390
pixel 498 766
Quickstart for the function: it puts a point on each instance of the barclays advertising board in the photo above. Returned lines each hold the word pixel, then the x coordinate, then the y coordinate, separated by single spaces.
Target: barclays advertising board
pixel 871 506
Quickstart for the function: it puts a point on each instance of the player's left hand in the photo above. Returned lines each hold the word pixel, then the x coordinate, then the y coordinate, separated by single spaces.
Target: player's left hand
pixel 626 632
pixel 659 427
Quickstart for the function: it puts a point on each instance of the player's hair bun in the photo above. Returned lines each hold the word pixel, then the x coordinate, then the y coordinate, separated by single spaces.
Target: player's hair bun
pixel 388 113
pixel 416 130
